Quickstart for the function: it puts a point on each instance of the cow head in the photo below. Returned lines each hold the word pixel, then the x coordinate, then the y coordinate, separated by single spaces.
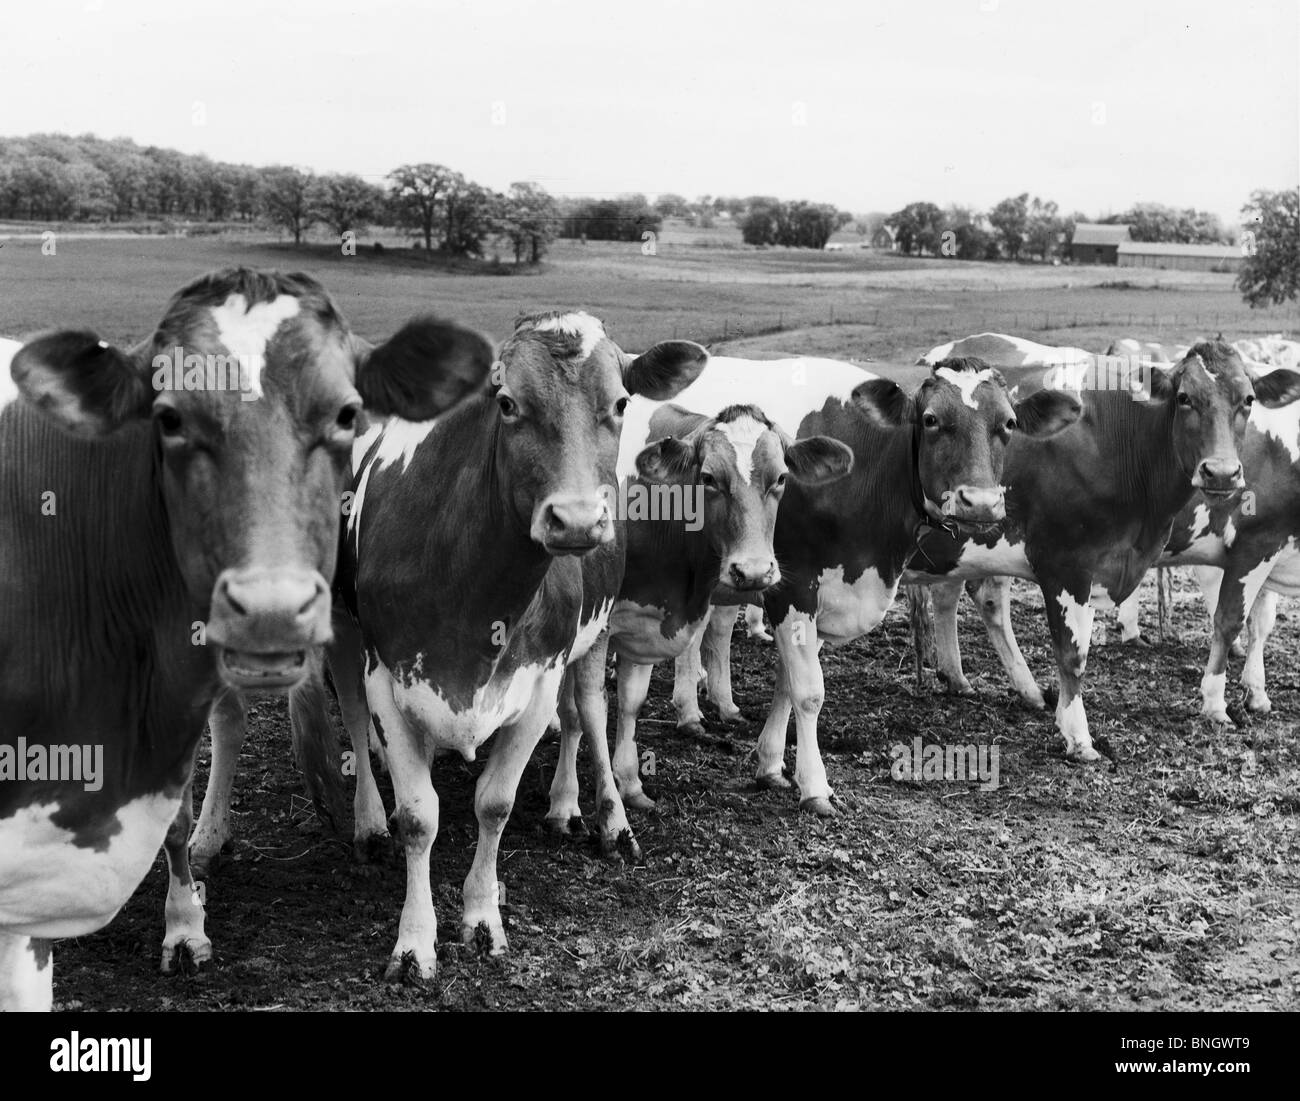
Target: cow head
pixel 742 461
pixel 962 420
pixel 1208 396
pixel 256 389
pixel 562 387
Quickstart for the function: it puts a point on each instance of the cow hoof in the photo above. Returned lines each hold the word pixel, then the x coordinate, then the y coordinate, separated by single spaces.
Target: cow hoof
pixel 488 937
pixel 639 801
pixel 407 970
pixel 1085 755
pixel 622 849
pixel 1258 703
pixel 772 782
pixel 571 826
pixel 692 729
pixel 818 805
pixel 1217 715
pixel 1136 640
pixel 186 957
pixel 373 848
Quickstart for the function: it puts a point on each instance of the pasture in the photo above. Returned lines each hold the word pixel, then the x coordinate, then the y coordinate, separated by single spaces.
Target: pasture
pixel 1168 878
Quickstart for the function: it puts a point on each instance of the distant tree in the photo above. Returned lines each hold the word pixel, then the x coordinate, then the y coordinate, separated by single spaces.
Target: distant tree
pixel 345 203
pixel 1270 270
pixel 625 218
pixel 1042 225
pixel 759 226
pixel 672 206
pixel 473 213
pixel 417 197
pixel 1156 222
pixel 1010 219
pixel 284 199
pixel 917 226
pixel 529 220
pixel 972 239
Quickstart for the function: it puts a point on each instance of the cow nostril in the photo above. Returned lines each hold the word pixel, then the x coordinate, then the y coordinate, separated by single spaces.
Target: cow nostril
pixel 235 606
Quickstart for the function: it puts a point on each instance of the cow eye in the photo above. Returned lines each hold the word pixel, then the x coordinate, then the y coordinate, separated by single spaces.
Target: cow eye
pixel 346 421
pixel 707 479
pixel 1012 424
pixel 620 406
pixel 1250 400
pixel 780 482
pixel 930 420
pixel 508 406
pixel 1184 400
pixel 169 421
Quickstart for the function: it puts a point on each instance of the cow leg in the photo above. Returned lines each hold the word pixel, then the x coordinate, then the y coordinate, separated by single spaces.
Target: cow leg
pixel 1070 619
pixel 754 623
pixel 227 723
pixel 615 833
pixel 370 838
pixel 1236 594
pixel 1126 614
pixel 415 956
pixel 770 751
pixel 796 638
pixel 688 671
pixel 1259 625
pixel 26 974
pixel 494 798
pixel 992 597
pixel 185 945
pixel 715 652
pixel 633 687
pixel 1208 580
pixel 564 815
pixel 946 595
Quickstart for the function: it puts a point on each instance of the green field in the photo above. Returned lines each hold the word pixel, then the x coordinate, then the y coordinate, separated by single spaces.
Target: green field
pixel 858 304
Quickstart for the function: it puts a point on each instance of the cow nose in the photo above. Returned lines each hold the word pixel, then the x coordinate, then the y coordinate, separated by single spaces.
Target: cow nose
pixel 1220 474
pixel 573 524
pixel 975 503
pixel 752 573
pixel 262 610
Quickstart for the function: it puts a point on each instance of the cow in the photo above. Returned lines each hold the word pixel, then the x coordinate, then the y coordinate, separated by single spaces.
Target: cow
pixel 1273 351
pixel 168 522
pixel 927 464
pixel 736 465
pixel 480 560
pixel 1120 531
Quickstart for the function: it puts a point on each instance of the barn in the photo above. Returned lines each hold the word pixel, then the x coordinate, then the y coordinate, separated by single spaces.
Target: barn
pixel 1167 254
pixel 1097 244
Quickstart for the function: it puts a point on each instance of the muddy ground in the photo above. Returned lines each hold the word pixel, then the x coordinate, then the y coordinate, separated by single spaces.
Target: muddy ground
pixel 1169 881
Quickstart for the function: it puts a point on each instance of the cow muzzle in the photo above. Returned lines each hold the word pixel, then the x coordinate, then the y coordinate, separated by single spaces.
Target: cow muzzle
pixel 572 525
pixel 264 623
pixel 749 574
pixel 976 505
pixel 1219 477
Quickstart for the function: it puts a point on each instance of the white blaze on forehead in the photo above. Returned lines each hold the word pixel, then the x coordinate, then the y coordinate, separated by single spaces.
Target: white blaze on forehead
pixel 743 434
pixel 586 328
pixel 245 331
pixel 965 381
pixel 8 390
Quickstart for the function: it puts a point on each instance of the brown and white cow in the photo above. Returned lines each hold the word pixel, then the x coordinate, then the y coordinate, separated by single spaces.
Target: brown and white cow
pixel 164 535
pixel 718 481
pixel 481 558
pixel 926 464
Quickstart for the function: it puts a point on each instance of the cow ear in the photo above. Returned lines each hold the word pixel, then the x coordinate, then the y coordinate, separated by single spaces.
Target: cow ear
pixel 1279 387
pixel 1046 412
pixel 818 460
pixel 669 460
pixel 423 370
pixel 665 370
pixel 85 384
pixel 1159 385
pixel 884 402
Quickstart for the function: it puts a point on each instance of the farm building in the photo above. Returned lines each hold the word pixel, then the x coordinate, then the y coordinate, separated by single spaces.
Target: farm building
pixel 1164 254
pixel 883 238
pixel 1097 244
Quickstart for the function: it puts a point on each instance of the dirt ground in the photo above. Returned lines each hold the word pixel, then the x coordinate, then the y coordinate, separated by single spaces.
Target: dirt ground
pixel 1168 881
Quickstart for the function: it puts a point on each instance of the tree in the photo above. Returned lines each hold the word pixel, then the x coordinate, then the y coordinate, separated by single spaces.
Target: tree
pixel 970 235
pixel 1270 271
pixel 345 203
pixel 917 225
pixel 672 206
pixel 1010 218
pixel 417 196
pixel 1156 222
pixel 472 215
pixel 284 199
pixel 530 220
pixel 1042 225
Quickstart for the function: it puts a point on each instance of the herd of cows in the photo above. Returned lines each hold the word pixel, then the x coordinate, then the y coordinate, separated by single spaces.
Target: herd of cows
pixel 459 535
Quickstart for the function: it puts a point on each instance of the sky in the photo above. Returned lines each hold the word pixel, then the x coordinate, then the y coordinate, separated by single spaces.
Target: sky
pixel 868 104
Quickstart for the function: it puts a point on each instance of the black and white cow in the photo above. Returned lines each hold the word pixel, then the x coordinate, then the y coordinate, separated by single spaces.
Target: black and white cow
pixel 164 534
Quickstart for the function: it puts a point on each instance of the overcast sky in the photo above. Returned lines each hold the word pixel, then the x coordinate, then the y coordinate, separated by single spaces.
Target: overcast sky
pixel 868 104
